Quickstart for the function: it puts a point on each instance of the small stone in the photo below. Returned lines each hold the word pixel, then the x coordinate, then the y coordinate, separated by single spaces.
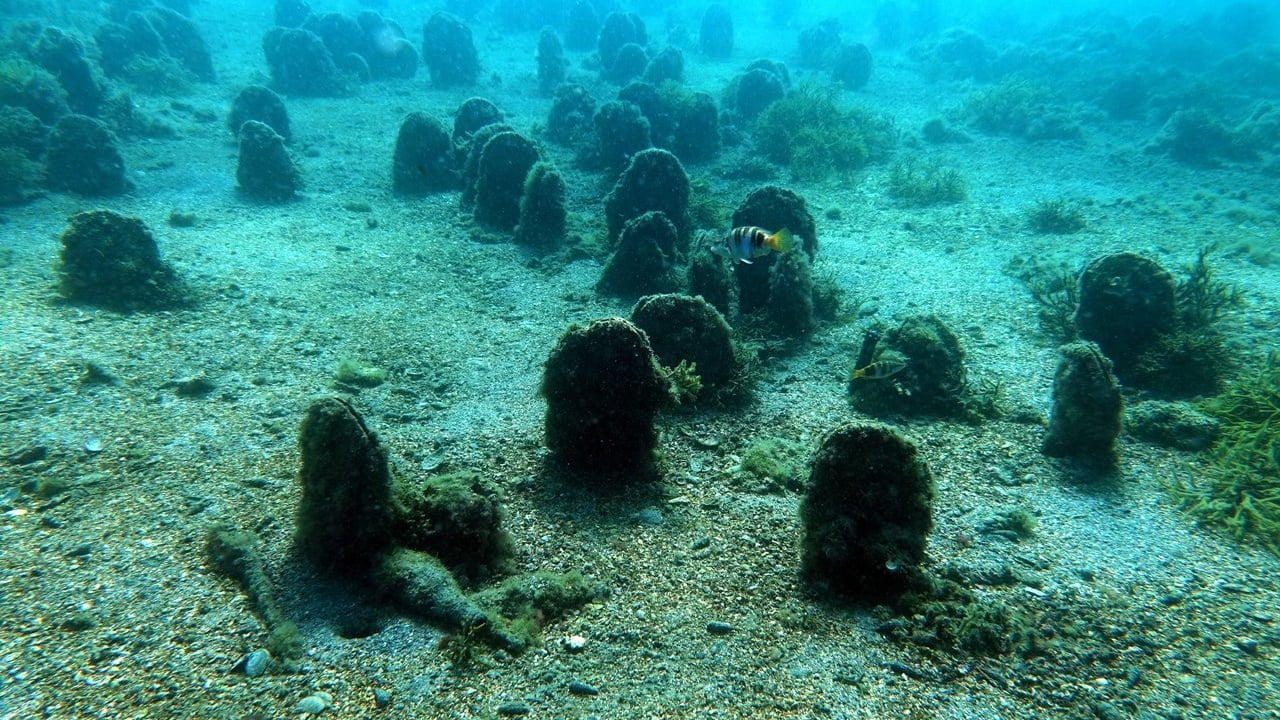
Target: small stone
pixel 575 643
pixel 254 664
pixel 701 543
pixel 577 687
pixel 93 445
pixel 381 698
pixel 513 708
pixel 650 516
pixel 1247 645
pixel 313 704
pixel 717 627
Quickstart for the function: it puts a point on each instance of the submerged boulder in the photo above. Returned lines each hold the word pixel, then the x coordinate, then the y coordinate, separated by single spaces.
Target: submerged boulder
pixel 83 158
pixel 256 102
pixel 265 171
pixel 113 261
pixel 424 157
pixel 866 514
pixel 603 389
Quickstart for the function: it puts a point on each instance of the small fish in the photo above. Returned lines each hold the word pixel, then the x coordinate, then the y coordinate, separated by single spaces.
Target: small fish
pixel 879 370
pixel 742 244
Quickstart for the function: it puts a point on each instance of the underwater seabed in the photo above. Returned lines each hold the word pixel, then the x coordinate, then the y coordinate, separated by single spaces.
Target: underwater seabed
pixel 126 436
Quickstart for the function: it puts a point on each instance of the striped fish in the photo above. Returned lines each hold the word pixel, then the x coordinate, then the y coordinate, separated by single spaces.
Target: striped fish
pixel 742 244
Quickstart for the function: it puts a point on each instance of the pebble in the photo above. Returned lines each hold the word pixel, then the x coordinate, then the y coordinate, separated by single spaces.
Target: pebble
pixel 1247 645
pixel 313 704
pixel 93 445
pixel 577 687
pixel 513 708
pixel 575 643
pixel 650 516
pixel 717 627
pixel 381 698
pixel 255 663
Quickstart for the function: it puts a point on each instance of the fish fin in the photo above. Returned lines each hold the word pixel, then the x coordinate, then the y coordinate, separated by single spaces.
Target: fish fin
pixel 782 241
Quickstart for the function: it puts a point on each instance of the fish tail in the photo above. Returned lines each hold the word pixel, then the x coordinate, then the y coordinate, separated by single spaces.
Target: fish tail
pixel 782 241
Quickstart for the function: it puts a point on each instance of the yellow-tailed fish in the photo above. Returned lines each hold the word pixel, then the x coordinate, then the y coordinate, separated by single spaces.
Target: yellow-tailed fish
pixel 743 244
pixel 881 370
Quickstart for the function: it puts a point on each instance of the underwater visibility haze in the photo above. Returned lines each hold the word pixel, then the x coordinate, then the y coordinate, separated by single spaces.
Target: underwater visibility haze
pixel 639 359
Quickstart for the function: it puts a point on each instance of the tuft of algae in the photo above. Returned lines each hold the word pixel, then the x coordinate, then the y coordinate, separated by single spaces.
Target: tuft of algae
pixel 1241 490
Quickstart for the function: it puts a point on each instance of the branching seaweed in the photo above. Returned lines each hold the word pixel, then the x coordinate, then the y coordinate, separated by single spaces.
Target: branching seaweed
pixel 1202 298
pixel 1057 217
pixel 1242 488
pixel 809 132
pixel 926 182
pixel 1056 292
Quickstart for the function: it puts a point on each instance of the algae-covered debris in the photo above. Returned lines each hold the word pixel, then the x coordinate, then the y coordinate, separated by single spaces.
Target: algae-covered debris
pixel 355 372
pixel 234 553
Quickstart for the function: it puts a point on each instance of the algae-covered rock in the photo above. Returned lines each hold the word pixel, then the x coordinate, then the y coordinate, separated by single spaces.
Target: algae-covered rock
pixel 688 329
pixel 1087 406
pixel 927 374
pixel 424 156
pixel 603 388
pixel 571 118
pixel 645 258
pixel 504 164
pixel 653 181
pixel 457 518
pixel 867 513
pixel 791 294
pixel 449 52
pixel 83 158
pixel 301 64
pixel 1127 302
pixel 543 216
pixel 715 36
pixel 772 208
pixel 256 102
pixel 111 260
pixel 1176 425
pixel 345 519
pixel 265 170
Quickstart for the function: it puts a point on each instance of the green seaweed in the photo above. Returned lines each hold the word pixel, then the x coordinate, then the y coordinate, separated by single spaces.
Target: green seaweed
pixel 356 372
pixel 1057 216
pixel 926 182
pixel 683 382
pixel 1241 490
pixel 524 604
pixel 810 133
pixel 1202 297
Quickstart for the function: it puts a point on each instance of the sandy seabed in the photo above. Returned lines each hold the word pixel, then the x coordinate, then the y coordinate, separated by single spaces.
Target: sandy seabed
pixel 1174 620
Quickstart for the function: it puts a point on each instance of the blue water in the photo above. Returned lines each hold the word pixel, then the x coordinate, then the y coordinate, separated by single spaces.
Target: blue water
pixel 414 345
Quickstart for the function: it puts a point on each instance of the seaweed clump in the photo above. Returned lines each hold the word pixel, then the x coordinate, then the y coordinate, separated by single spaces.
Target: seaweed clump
pixel 1056 217
pixel 810 133
pixel 926 182
pixel 1241 490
